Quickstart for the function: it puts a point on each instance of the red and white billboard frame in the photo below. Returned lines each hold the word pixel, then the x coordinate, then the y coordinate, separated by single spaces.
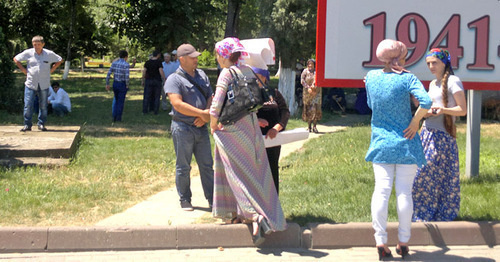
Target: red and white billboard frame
pixel 349 31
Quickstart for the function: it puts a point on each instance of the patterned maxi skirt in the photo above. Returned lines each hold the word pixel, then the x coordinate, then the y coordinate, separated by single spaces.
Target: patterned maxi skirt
pixel 242 178
pixel 436 189
pixel 312 106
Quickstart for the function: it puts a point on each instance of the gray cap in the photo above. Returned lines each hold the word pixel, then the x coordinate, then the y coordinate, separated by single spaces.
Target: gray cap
pixel 187 50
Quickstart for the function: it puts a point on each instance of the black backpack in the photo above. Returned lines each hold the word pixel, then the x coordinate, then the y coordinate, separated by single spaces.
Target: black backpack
pixel 244 95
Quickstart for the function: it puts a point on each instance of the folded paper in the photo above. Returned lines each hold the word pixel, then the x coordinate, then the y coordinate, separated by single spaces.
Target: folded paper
pixel 286 137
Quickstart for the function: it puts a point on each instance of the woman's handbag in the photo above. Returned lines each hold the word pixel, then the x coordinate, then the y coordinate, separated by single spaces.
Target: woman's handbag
pixel 244 95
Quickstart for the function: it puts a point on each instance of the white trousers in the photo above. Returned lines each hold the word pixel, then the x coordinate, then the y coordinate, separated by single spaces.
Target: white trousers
pixel 384 177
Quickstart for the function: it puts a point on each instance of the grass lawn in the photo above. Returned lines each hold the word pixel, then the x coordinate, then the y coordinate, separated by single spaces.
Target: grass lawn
pixel 329 181
pixel 119 165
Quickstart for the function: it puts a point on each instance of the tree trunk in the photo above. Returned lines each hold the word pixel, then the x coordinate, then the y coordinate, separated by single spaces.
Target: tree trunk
pixel 82 63
pixel 66 69
pixel 67 64
pixel 233 12
pixel 287 88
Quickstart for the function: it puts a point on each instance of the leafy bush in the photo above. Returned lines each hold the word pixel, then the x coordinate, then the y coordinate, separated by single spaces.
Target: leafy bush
pixel 10 96
pixel 207 59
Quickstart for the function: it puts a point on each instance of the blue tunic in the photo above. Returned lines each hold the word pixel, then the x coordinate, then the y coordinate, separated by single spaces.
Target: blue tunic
pixel 388 96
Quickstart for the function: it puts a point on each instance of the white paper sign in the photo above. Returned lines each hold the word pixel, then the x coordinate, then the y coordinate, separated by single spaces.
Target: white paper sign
pixel 261 51
pixel 287 136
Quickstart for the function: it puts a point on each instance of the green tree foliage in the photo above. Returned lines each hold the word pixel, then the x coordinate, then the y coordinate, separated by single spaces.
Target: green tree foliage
pixel 255 17
pixel 10 96
pixel 52 19
pixel 165 24
pixel 293 27
pixel 207 59
pixel 4 16
pixel 32 17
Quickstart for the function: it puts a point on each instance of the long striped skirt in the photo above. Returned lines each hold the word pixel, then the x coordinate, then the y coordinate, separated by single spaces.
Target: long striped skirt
pixel 242 177
pixel 436 189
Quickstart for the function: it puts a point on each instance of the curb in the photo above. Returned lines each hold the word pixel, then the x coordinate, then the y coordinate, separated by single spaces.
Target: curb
pixel 314 236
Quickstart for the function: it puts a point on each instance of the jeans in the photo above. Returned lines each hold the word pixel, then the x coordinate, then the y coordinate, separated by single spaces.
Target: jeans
pixel 152 94
pixel 29 97
pixel 120 90
pixel 189 140
pixel 36 105
pixel 59 109
pixel 384 177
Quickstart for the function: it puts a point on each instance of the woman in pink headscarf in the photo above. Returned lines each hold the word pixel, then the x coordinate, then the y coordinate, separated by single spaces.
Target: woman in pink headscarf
pixel 243 185
pixel 395 148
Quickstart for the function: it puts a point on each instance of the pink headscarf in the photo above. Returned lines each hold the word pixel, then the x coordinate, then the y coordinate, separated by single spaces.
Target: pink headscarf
pixel 231 45
pixel 391 51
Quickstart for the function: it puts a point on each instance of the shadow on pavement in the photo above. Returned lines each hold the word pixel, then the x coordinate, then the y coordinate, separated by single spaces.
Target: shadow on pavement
pixel 440 255
pixel 301 252
pixel 302 220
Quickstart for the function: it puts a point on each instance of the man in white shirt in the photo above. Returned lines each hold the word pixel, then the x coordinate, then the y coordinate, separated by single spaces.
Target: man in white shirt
pixel 40 63
pixel 59 100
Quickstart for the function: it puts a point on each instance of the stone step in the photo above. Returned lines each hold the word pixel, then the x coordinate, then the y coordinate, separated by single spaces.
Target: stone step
pixel 37 147
pixel 34 161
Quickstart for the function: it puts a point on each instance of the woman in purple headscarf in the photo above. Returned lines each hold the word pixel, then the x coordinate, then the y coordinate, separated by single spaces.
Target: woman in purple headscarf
pixel 395 148
pixel 436 190
pixel 243 185
pixel 273 118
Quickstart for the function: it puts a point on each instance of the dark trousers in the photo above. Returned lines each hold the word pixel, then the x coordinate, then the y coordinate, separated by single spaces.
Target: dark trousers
pixel 152 95
pixel 120 91
pixel 273 155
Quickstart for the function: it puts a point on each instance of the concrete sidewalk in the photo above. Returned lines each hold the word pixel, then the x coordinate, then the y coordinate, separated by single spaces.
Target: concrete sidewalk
pixel 163 209
pixel 357 254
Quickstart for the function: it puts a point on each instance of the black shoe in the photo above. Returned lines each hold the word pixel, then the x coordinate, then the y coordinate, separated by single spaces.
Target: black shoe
pixel 25 128
pixel 41 127
pixel 258 239
pixel 265 227
pixel 402 251
pixel 382 254
pixel 186 206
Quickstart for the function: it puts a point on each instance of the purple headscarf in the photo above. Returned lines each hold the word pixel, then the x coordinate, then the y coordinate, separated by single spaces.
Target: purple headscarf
pixel 230 45
pixel 391 51
pixel 263 72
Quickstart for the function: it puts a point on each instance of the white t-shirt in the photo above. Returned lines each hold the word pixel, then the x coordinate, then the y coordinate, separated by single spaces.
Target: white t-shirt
pixel 61 97
pixel 454 86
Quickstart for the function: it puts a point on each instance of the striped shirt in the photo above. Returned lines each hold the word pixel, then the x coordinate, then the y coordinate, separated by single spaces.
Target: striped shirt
pixel 121 70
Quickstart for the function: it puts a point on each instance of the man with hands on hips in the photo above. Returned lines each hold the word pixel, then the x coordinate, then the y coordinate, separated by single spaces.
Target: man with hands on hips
pixel 40 63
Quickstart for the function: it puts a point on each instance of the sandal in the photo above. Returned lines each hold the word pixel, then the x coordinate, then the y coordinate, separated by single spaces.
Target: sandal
pixel 257 239
pixel 383 254
pixel 402 250
pixel 236 220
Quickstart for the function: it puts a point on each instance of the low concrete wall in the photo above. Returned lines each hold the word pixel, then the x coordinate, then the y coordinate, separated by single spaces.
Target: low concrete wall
pixel 314 236
pixel 435 233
